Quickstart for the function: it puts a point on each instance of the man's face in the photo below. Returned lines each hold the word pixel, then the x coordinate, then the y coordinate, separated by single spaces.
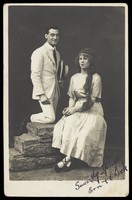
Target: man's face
pixel 52 37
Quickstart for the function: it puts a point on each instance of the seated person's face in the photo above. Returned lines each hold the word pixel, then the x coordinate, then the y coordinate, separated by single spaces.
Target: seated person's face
pixel 84 61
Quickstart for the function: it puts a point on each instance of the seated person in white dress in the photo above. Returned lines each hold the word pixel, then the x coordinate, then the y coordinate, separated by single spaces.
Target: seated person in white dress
pixel 81 131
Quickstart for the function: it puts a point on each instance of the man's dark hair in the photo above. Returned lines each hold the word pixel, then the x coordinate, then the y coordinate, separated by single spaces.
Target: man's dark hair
pixel 51 27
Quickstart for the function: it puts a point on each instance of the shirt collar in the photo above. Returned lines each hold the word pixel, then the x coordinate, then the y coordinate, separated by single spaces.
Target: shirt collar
pixel 50 47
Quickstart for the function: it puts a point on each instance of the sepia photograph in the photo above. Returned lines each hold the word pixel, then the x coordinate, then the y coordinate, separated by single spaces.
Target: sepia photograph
pixel 66 100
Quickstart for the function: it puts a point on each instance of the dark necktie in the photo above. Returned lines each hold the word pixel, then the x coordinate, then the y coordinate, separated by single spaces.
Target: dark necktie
pixel 55 58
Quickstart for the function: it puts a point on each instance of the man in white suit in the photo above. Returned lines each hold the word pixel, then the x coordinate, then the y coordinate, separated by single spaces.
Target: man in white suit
pixel 44 66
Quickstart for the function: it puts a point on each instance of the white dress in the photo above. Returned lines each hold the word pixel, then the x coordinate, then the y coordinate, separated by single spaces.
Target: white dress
pixel 82 134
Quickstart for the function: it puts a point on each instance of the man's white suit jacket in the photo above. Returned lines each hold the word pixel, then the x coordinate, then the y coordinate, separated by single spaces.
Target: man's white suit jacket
pixel 44 72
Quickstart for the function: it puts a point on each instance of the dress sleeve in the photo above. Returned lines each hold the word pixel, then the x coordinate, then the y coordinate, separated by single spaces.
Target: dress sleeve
pixel 70 89
pixel 97 87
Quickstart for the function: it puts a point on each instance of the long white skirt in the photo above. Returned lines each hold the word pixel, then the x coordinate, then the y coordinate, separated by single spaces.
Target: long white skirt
pixel 82 135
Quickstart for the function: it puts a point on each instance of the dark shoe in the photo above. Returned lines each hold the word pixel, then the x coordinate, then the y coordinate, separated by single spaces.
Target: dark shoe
pixel 65 167
pixel 23 128
pixel 58 169
pixel 68 168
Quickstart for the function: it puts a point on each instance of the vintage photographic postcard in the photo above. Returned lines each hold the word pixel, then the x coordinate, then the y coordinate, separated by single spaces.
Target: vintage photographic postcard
pixel 92 38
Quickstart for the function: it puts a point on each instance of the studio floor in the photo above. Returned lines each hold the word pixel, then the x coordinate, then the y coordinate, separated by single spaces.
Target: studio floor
pixel 113 168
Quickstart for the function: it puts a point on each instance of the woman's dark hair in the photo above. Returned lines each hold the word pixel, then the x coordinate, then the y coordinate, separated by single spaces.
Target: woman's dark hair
pixel 91 69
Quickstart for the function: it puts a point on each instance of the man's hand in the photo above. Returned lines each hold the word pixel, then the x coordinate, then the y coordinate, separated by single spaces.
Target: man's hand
pixel 44 100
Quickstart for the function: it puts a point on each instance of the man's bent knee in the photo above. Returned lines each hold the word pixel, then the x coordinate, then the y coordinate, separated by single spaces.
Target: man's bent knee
pixel 50 119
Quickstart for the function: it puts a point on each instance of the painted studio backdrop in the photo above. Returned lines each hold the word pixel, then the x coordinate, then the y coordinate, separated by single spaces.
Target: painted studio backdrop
pixel 99 28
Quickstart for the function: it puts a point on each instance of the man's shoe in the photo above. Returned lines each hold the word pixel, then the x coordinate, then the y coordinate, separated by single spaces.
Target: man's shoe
pixel 23 128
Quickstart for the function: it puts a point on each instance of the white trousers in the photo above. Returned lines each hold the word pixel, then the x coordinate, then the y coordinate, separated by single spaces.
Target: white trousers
pixel 48 113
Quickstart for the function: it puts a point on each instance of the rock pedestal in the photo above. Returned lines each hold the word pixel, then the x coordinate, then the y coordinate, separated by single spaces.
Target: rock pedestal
pixel 34 150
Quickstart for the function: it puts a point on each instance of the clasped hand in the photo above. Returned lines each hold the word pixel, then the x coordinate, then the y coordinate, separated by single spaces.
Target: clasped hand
pixel 68 111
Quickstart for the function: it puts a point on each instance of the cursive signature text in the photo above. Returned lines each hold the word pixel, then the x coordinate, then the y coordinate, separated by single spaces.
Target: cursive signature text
pixel 103 175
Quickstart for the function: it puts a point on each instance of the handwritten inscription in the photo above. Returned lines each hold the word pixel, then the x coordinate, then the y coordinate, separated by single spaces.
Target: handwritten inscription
pixel 91 189
pixel 96 176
